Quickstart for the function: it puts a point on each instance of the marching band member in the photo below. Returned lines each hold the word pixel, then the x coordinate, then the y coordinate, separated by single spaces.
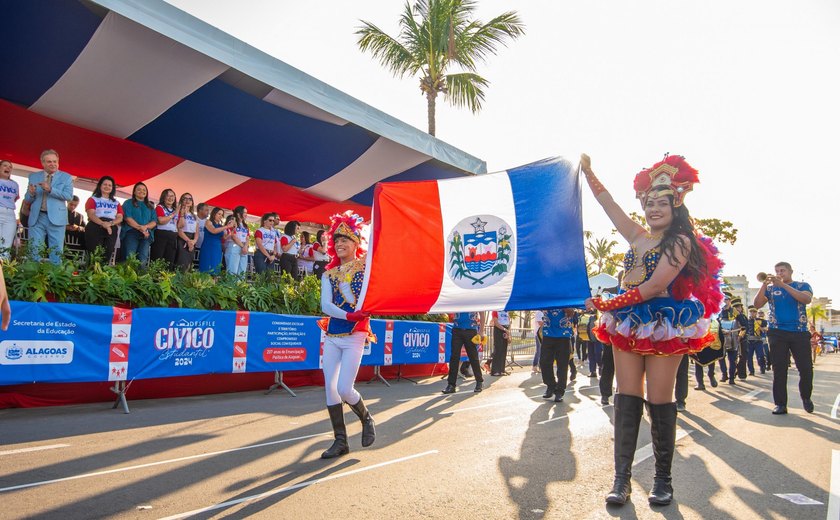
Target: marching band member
pixel 755 347
pixel 466 333
pixel 348 330
pixel 558 331
pixel 788 334
pixel 669 292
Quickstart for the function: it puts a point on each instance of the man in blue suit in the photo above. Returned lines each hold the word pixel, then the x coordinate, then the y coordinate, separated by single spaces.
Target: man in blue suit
pixel 49 190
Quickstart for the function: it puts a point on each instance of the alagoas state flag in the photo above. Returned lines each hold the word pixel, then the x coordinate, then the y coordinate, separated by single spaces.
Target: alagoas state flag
pixel 511 240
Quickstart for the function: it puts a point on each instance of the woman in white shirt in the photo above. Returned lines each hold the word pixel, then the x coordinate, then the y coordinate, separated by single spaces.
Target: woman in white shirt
pixel 9 194
pixel 104 215
pixel 266 240
pixel 187 235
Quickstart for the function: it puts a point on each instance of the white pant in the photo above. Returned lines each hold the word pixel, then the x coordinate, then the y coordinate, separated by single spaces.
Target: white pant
pixel 342 357
pixel 8 230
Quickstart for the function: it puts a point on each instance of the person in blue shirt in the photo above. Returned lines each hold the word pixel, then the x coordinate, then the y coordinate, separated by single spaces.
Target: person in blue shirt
pixel 788 334
pixel 558 331
pixel 466 333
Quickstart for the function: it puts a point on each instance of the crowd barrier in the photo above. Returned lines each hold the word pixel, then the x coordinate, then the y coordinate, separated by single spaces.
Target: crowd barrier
pixel 67 343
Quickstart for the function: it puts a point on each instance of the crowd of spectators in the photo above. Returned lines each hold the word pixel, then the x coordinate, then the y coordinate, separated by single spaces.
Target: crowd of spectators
pixel 183 234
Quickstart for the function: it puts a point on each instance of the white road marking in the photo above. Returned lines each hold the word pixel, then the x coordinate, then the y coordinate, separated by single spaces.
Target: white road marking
pixel 35 448
pixel 834 408
pixel 834 487
pixel 646 451
pixel 297 486
pixel 467 409
pixel 798 499
pixel 158 463
pixel 752 394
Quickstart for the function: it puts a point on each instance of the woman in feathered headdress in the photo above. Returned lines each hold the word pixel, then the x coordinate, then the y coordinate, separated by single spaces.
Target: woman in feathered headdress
pixel 348 330
pixel 669 291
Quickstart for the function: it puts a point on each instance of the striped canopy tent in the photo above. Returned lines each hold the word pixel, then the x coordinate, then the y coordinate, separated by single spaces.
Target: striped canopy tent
pixel 142 91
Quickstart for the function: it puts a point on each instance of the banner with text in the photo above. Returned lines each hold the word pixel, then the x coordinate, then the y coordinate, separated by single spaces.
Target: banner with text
pixel 53 342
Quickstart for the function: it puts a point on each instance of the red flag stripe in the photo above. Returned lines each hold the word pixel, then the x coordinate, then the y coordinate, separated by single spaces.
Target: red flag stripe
pixel 403 253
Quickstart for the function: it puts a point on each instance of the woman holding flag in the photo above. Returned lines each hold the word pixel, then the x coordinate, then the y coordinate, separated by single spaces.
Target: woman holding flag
pixel 348 330
pixel 662 312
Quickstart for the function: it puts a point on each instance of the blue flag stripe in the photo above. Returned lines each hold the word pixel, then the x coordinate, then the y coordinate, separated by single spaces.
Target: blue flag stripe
pixel 550 263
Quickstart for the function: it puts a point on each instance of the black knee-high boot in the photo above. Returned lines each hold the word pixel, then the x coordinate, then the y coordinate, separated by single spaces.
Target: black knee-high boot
pixel 663 430
pixel 627 416
pixel 368 424
pixel 339 446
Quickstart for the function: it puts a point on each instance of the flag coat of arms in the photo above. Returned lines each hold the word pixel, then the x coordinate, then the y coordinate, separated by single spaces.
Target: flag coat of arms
pixel 511 240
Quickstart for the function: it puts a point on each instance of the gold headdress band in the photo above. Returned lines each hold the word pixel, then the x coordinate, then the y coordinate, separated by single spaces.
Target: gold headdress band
pixel 344 230
pixel 672 176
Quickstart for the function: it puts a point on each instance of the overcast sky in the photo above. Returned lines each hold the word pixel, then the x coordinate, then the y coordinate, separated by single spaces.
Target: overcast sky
pixel 747 91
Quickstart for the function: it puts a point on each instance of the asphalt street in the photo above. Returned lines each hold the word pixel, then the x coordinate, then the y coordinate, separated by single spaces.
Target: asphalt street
pixel 501 454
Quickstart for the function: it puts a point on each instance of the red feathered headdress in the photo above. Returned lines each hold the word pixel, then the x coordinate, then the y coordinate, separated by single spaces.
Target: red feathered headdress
pixel 347 224
pixel 673 172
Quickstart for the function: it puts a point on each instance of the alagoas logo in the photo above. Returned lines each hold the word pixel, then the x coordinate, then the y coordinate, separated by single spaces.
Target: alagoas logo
pixel 480 251
pixel 23 352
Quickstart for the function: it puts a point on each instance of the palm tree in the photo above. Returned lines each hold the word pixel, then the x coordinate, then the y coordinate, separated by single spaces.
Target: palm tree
pixel 602 258
pixel 816 312
pixel 435 36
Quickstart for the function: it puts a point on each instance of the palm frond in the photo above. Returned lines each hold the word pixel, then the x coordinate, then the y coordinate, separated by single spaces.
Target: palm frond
pixel 478 41
pixel 390 53
pixel 466 90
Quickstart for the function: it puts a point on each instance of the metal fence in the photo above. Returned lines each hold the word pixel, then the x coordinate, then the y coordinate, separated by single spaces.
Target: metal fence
pixel 521 347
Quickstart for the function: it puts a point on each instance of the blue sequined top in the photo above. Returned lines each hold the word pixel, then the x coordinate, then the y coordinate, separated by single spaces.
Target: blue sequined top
pixel 649 261
pixel 356 277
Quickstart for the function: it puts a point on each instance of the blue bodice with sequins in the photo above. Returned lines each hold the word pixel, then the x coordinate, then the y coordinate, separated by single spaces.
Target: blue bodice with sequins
pixel 338 326
pixel 649 261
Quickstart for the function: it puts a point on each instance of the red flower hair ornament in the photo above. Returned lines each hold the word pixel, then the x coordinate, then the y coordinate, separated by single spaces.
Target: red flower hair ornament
pixel 347 224
pixel 670 176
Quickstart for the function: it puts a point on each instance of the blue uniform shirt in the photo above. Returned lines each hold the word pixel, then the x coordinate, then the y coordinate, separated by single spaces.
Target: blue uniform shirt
pixel 557 325
pixel 466 320
pixel 785 312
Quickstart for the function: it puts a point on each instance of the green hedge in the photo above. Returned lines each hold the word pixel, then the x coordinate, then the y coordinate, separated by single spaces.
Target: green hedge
pixel 130 284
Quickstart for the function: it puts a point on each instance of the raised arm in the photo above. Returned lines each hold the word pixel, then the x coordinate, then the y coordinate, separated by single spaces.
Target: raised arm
pixel 211 227
pixel 626 227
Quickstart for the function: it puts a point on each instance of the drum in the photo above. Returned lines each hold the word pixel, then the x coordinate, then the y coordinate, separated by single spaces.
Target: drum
pixel 713 352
